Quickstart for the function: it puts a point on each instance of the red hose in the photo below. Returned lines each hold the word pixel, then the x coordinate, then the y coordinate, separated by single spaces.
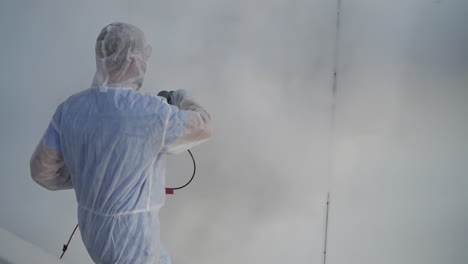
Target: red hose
pixel 65 247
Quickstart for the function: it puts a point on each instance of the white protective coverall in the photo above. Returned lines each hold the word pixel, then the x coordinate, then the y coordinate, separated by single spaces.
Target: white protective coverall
pixel 109 142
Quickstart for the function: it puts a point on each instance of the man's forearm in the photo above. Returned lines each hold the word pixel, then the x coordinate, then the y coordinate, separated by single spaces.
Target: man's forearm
pixel 48 169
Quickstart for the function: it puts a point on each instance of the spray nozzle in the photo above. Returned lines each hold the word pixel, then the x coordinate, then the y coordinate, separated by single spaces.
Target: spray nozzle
pixel 167 95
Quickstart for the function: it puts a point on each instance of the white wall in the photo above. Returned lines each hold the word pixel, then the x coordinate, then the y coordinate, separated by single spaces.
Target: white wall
pixel 262 68
pixel 401 153
pixel 16 250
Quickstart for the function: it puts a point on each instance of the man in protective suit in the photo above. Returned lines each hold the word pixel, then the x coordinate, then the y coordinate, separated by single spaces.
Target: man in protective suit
pixel 109 142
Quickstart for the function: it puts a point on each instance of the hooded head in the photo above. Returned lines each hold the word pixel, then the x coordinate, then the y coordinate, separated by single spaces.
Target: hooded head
pixel 121 56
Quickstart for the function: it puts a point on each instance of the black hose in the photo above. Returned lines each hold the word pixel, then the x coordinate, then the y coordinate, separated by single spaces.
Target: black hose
pixel 193 175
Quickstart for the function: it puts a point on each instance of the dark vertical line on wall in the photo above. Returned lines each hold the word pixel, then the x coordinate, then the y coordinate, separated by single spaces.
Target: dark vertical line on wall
pixel 332 120
pixel 337 48
pixel 326 229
